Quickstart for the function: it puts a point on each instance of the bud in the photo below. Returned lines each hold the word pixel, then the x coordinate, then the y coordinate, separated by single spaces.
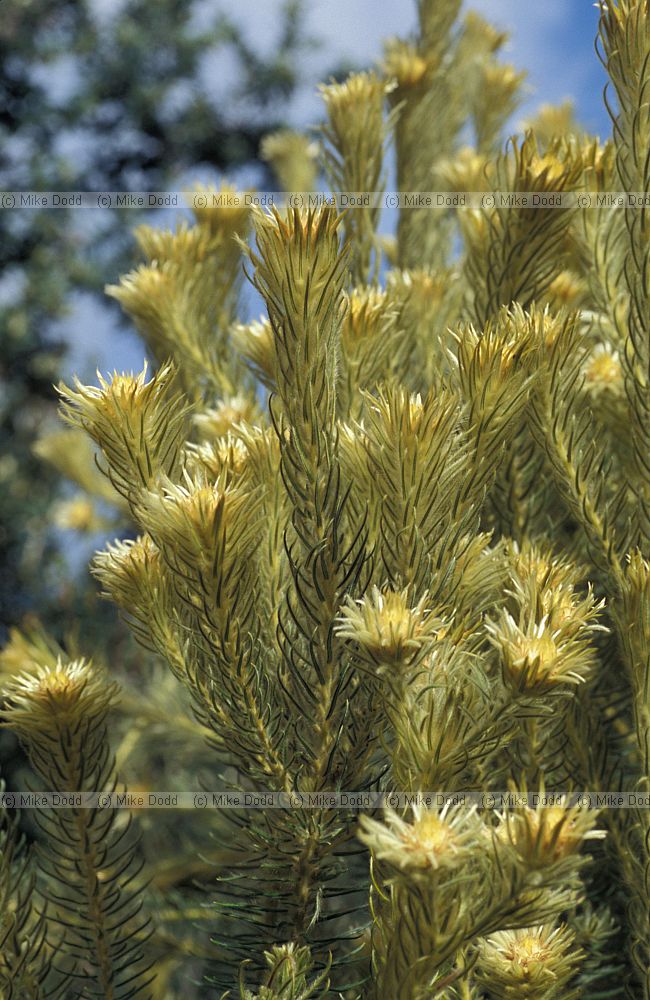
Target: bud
pixel 256 342
pixel 293 157
pixel 404 64
pixel 226 415
pixel 140 426
pixel 225 213
pixel 225 459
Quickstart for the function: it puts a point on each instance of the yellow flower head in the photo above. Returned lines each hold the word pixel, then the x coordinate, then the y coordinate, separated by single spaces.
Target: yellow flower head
pixel 480 32
pixel 359 94
pixel 599 164
pixel 299 267
pixel 537 658
pixel 293 157
pixel 404 63
pixel 546 170
pixel 567 290
pixel 126 568
pixel 40 703
pixel 500 81
pixel 226 458
pixel 226 415
pixel 421 289
pixel 224 211
pixel 467 171
pixel 557 168
pixel 603 371
pixel 436 840
pixel 527 963
pixel 385 626
pixel 77 514
pixel 139 425
pixel 549 834
pixel 288 966
pixel 554 119
pixel 368 314
pixel 257 343
pixel 545 638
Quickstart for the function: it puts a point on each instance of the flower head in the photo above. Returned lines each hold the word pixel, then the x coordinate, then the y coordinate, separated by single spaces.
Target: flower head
pixel 293 157
pixel 140 426
pixel 567 290
pixel 524 963
pixel 361 94
pixel 467 171
pixel 603 371
pixel 77 514
pixel 437 839
pixel 404 63
pixel 549 834
pixel 368 315
pixel 50 698
pixel 223 211
pixel 257 343
pixel 386 627
pixel 544 633
pixel 537 658
pixel 224 459
pixel 226 415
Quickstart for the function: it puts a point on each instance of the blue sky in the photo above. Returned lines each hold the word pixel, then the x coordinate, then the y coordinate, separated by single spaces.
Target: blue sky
pixel 553 40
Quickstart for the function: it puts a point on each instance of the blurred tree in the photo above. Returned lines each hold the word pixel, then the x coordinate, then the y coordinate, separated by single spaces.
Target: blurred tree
pixel 101 97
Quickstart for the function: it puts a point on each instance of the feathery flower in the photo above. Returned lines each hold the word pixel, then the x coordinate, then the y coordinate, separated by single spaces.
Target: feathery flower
pixel 40 704
pixel 537 659
pixel 549 834
pixel 386 627
pixel 293 157
pixel 603 371
pixel 403 63
pixel 437 839
pixel 226 415
pixel 527 963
